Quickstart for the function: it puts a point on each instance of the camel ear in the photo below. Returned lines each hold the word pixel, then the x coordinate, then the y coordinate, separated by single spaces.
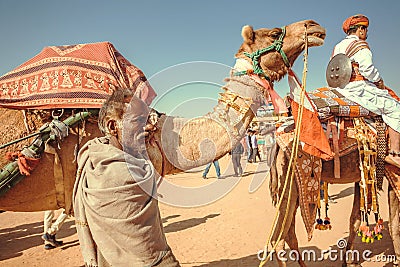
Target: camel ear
pixel 248 34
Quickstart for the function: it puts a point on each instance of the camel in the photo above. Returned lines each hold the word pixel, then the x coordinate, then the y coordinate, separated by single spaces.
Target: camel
pixel 349 173
pixel 177 144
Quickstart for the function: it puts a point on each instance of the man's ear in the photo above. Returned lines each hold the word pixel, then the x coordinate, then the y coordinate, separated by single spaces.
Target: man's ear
pixel 112 127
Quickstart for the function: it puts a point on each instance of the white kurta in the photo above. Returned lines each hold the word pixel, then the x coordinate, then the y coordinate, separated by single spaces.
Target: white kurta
pixel 365 93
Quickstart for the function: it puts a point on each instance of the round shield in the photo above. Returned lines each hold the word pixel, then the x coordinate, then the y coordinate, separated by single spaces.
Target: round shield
pixel 338 71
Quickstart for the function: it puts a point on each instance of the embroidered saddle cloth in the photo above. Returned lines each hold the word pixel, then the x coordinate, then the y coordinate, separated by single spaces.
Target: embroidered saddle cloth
pixel 308 185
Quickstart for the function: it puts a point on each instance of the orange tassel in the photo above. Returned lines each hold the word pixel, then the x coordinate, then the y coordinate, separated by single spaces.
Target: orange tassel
pixel 26 165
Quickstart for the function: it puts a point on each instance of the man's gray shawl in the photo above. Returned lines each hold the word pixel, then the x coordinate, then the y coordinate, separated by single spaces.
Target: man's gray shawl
pixel 114 207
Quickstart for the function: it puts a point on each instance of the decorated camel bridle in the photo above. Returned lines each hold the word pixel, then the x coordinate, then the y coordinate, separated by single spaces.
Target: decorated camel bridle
pixel 255 56
pixel 259 75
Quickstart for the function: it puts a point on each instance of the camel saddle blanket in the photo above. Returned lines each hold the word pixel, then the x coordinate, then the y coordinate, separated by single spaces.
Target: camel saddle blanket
pixel 329 102
pixel 307 176
pixel 71 76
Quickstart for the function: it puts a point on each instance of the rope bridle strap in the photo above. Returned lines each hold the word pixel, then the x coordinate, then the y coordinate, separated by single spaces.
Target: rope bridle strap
pixel 255 56
pixel 290 170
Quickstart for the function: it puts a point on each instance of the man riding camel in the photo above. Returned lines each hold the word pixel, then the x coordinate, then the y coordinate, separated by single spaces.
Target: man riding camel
pixel 366 86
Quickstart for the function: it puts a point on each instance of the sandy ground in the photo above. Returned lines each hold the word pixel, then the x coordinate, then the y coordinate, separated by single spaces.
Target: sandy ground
pixel 226 232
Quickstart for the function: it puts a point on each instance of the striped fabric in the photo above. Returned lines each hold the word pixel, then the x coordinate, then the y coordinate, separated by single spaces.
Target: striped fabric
pixel 329 101
pixel 356 46
pixel 71 76
pixel 351 50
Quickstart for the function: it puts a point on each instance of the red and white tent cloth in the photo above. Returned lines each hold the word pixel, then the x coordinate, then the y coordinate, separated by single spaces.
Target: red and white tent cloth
pixel 72 76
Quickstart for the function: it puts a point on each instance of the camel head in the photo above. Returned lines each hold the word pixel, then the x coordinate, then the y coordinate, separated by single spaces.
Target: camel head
pixel 293 43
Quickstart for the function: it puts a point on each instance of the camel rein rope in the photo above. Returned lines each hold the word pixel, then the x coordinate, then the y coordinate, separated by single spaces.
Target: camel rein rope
pixel 291 167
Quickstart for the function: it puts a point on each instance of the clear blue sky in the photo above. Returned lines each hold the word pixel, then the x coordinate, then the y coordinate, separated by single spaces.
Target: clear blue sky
pixel 155 35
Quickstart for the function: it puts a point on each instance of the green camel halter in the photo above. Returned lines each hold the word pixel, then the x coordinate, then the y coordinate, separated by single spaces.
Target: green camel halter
pixel 277 46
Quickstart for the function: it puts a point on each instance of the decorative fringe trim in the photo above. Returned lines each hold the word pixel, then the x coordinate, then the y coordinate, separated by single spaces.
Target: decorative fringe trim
pixel 323 224
pixel 370 235
pixel 25 164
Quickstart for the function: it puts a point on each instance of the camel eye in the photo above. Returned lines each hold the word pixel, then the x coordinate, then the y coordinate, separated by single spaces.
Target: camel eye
pixel 274 33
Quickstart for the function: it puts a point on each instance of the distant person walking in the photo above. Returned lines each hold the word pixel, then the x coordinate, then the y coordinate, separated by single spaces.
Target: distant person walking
pixel 217 169
pixel 248 145
pixel 254 147
pixel 270 148
pixel 236 154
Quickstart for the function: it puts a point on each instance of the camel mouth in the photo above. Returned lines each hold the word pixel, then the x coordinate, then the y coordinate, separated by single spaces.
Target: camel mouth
pixel 318 35
pixel 316 38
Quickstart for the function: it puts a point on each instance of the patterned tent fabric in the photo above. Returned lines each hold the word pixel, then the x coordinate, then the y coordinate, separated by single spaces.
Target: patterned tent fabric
pixel 72 76
pixel 329 101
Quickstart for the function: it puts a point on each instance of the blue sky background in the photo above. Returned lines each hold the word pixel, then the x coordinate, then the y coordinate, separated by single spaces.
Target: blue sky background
pixel 157 35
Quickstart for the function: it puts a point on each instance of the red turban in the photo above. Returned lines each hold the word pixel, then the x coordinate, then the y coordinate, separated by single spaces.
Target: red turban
pixel 355 20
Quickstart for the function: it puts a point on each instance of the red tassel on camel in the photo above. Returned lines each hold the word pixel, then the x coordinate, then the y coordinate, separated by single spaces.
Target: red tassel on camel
pixel 26 165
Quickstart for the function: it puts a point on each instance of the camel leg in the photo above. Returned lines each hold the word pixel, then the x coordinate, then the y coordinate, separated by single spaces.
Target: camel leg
pixel 394 210
pixel 292 240
pixel 283 228
pixel 279 247
pixel 274 181
pixel 355 220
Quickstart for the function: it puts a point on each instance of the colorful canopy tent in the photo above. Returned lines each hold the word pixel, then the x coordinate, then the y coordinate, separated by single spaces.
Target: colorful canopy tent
pixel 71 76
